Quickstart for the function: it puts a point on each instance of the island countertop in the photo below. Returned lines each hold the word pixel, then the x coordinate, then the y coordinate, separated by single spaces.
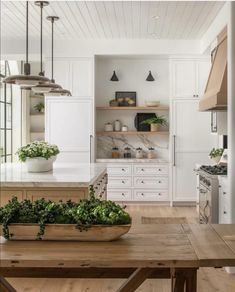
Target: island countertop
pixel 63 175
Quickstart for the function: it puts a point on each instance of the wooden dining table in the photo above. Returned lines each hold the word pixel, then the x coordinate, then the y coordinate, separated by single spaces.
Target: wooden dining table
pixel 166 251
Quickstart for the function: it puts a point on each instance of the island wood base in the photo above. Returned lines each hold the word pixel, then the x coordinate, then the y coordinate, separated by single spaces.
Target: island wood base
pixel 181 277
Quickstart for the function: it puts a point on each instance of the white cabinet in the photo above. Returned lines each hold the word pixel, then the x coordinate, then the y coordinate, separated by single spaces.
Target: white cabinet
pixel 74 74
pixel 68 124
pixel 188 77
pixel 191 143
pixel 138 182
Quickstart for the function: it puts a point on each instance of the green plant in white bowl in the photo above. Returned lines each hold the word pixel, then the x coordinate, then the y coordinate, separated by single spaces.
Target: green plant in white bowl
pixel 38 156
pixel 39 107
pixel 216 154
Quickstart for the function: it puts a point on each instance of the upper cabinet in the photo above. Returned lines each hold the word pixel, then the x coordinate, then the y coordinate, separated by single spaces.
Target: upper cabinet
pixel 74 74
pixel 188 77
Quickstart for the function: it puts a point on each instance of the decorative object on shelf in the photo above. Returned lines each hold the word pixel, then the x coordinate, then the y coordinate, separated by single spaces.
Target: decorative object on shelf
pixel 117 126
pixel 124 128
pixel 104 220
pixel 108 127
pixel 155 122
pixel 150 77
pixel 127 152
pixel 38 156
pixel 26 81
pixel 139 118
pixel 139 153
pixel 126 98
pixel 115 153
pixel 114 77
pixel 151 153
pixel 113 103
pixel 216 154
pixel 152 103
pixel 39 107
pixel 55 91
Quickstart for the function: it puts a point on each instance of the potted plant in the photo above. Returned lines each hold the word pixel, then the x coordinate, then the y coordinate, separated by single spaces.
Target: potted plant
pixel 155 122
pixel 89 220
pixel 215 154
pixel 38 156
pixel 39 107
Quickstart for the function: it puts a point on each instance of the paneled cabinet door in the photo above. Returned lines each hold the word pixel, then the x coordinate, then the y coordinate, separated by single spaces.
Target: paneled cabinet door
pixel 192 141
pixel 183 78
pixel 68 124
pixel 62 74
pixel 82 77
pixel 203 69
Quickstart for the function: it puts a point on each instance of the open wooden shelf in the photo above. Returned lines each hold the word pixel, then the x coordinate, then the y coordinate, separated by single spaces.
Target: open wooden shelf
pixel 136 108
pixel 103 133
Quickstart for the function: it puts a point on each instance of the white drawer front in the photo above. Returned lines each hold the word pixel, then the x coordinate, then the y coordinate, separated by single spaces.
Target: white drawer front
pixel 150 169
pixel 151 182
pixel 150 195
pixel 119 182
pixel 119 170
pixel 119 195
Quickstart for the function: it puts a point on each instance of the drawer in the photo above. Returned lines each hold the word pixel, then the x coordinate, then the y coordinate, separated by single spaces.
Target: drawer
pixel 149 169
pixel 151 182
pixel 119 170
pixel 119 195
pixel 150 195
pixel 119 182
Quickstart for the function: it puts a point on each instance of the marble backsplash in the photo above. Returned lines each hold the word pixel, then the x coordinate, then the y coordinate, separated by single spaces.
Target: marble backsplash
pixel 159 142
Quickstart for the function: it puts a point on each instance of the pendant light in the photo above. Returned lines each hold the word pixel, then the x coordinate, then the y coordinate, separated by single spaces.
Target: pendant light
pixel 43 88
pixel 150 77
pixel 56 91
pixel 26 80
pixel 114 77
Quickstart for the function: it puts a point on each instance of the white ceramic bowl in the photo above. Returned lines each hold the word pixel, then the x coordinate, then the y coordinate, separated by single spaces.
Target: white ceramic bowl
pixel 39 164
pixel 152 103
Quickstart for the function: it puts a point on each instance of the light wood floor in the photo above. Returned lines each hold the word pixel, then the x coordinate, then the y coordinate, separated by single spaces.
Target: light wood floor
pixel 209 279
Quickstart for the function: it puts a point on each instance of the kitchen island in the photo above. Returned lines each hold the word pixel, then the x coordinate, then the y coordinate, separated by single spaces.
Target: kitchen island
pixel 65 182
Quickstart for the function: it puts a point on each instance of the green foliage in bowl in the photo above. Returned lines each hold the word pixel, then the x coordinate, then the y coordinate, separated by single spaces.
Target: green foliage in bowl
pixel 87 212
pixel 216 152
pixel 160 120
pixel 37 149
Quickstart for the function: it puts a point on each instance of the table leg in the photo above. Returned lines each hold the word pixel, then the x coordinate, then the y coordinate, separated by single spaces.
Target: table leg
pixel 5 286
pixel 191 281
pixel 135 280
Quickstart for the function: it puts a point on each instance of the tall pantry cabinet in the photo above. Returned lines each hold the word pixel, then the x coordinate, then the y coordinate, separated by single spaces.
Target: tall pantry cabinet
pixel 69 121
pixel 191 138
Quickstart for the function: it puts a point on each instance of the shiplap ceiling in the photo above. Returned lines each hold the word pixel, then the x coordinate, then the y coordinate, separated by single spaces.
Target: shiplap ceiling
pixel 113 19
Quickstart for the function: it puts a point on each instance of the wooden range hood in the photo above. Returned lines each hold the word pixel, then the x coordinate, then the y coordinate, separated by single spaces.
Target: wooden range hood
pixel 215 96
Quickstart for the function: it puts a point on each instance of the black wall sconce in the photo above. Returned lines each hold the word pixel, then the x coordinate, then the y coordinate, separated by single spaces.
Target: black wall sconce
pixel 114 77
pixel 150 77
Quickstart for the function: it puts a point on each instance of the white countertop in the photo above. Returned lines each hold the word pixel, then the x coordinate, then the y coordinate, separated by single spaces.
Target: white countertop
pixel 63 175
pixel 131 160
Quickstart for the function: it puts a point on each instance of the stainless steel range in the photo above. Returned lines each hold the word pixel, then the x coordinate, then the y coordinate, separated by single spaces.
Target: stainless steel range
pixel 209 192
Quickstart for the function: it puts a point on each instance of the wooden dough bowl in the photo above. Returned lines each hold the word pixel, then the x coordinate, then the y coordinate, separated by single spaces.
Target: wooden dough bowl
pixel 68 232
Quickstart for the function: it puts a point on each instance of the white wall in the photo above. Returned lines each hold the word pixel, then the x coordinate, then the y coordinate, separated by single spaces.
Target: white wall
pixel 132 74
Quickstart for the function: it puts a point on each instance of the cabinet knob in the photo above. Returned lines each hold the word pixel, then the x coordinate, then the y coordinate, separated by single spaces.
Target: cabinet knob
pixel 123 194
pixel 224 193
pixel 142 169
pixel 142 194
pixel 159 182
pixel 123 169
pixel 142 182
pixel 159 169
pixel 159 194
pixel 225 212
pixel 123 182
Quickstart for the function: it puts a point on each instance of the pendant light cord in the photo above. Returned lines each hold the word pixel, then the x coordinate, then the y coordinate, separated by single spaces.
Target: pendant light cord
pixel 27 65
pixel 41 72
pixel 52 50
